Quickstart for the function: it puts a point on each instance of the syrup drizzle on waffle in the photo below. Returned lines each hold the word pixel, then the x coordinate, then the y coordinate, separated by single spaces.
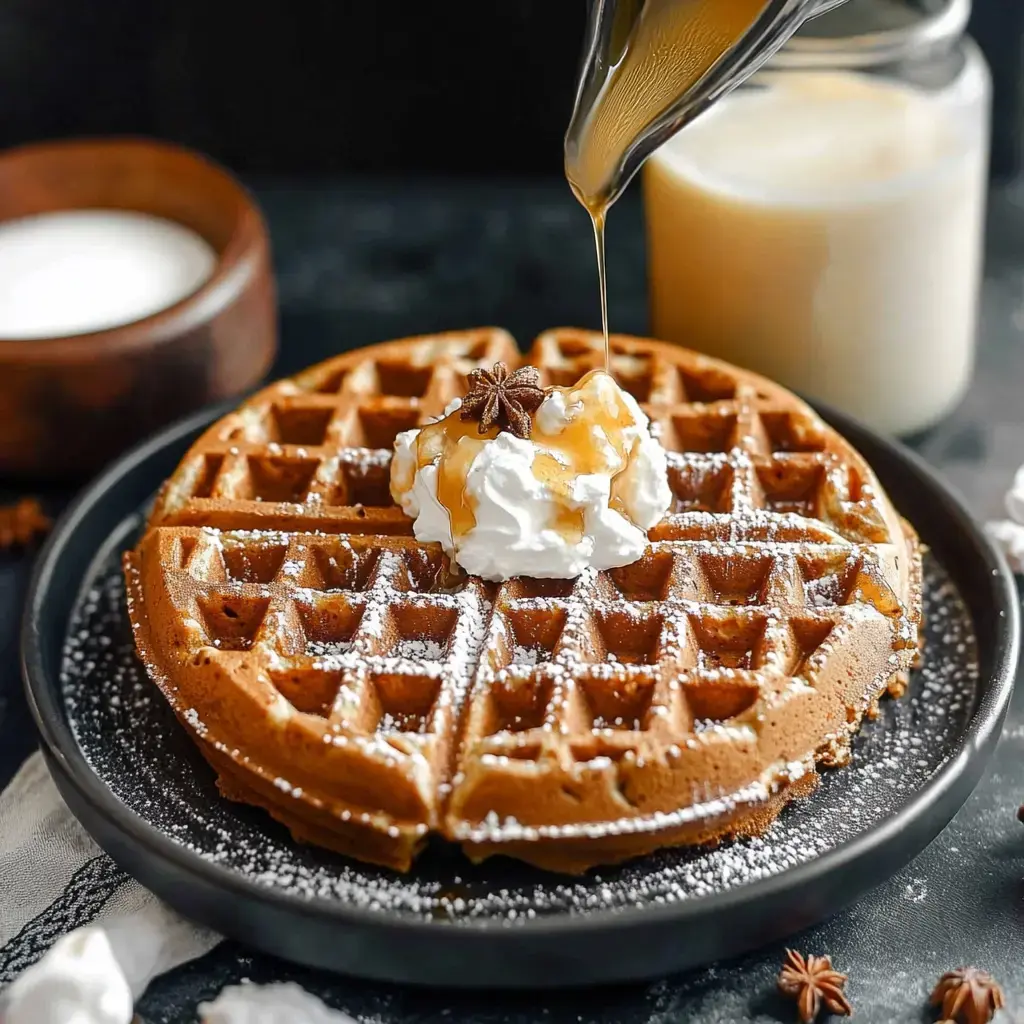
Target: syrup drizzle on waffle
pixel 332 675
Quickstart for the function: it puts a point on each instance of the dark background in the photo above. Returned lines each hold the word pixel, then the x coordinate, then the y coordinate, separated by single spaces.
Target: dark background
pixel 284 86
pixel 461 87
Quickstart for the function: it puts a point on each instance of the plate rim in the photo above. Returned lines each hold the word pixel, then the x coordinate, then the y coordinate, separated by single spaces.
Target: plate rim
pixel 63 752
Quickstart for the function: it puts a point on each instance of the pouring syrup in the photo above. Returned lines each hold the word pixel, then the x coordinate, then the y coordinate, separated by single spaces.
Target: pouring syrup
pixel 649 68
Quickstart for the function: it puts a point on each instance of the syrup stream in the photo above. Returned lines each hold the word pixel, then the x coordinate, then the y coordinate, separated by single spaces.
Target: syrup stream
pixel 597 219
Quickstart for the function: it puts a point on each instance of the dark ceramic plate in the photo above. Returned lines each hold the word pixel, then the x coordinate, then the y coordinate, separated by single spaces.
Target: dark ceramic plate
pixel 133 778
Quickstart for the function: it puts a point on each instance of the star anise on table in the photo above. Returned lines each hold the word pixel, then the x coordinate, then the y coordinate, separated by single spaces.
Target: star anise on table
pixel 497 398
pixel 813 983
pixel 22 522
pixel 968 995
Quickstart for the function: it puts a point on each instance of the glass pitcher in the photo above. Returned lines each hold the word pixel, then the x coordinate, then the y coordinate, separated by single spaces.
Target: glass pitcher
pixel 600 158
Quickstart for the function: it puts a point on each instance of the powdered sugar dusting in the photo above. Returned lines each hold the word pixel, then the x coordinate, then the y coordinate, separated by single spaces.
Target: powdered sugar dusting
pixel 128 735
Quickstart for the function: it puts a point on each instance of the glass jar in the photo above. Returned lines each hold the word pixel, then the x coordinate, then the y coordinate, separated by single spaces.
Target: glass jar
pixel 823 224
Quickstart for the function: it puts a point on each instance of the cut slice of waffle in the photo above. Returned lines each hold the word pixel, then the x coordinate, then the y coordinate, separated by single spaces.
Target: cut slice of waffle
pixel 334 672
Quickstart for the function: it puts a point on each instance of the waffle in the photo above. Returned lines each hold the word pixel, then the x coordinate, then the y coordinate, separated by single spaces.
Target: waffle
pixel 335 672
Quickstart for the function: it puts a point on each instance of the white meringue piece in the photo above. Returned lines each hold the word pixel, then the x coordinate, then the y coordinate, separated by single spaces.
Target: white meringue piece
pixel 282 1003
pixel 78 981
pixel 1008 534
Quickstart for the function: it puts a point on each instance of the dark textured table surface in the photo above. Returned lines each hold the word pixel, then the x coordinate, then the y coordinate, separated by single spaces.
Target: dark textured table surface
pixel 359 263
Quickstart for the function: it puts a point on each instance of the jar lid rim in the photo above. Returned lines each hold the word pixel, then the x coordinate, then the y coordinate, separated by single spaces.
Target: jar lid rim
pixel 875 44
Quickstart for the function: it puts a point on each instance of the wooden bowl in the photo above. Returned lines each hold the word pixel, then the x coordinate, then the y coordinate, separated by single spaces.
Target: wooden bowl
pixel 68 405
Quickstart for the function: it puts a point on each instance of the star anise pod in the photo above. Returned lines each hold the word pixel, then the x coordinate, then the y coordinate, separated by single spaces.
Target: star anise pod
pixel 501 399
pixel 813 983
pixel 968 995
pixel 21 523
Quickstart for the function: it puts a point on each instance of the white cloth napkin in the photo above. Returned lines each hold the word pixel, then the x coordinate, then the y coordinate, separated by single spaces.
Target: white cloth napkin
pixel 55 879
pixel 80 940
pixel 1008 534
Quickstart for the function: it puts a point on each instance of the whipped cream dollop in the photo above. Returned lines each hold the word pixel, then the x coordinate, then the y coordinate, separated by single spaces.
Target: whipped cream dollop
pixel 78 981
pixel 580 493
pixel 1008 534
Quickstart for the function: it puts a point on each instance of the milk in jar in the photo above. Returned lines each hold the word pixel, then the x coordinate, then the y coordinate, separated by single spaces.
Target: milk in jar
pixel 824 227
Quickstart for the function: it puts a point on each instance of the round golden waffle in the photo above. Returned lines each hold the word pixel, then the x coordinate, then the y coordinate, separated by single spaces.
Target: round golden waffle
pixel 334 672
